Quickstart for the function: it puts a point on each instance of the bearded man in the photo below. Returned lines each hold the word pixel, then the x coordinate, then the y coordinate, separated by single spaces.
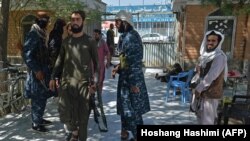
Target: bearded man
pixel 211 72
pixel 132 94
pixel 77 54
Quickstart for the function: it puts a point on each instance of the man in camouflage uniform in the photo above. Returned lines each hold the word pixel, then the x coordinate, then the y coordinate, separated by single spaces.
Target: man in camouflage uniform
pixel 132 95
pixel 35 55
pixel 74 63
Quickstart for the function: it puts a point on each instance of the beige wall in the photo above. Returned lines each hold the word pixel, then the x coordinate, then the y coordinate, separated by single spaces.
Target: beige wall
pixel 15 30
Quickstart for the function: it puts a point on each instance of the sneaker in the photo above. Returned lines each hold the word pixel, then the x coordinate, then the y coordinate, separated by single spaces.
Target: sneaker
pixel 40 128
pixel 46 122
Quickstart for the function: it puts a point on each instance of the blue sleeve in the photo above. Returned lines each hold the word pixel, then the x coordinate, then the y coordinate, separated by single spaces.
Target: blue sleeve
pixel 134 56
pixel 31 48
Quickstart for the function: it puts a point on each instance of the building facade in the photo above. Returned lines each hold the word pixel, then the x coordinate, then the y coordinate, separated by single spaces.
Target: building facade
pixel 146 18
pixel 21 20
pixel 194 19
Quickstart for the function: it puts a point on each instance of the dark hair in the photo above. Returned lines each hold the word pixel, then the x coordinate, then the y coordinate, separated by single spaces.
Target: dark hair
pixel 42 22
pixel 81 13
pixel 111 25
pixel 97 31
pixel 42 19
pixel 58 27
pixel 129 27
pixel 213 33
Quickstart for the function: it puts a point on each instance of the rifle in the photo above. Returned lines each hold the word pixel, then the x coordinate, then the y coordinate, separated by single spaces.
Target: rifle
pixel 97 106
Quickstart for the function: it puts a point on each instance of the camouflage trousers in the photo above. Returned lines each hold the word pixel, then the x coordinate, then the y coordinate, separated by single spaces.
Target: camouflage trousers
pixel 37 109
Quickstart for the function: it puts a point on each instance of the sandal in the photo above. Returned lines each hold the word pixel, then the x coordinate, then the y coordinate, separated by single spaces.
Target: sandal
pixel 124 135
pixel 74 137
pixel 127 136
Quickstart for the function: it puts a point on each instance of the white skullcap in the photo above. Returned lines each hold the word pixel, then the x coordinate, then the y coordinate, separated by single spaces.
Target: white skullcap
pixel 125 16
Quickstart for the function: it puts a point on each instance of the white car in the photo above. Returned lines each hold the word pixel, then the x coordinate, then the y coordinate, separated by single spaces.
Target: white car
pixel 154 37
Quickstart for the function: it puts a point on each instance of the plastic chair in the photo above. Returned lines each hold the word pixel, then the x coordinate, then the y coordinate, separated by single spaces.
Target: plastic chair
pixel 238 108
pixel 182 82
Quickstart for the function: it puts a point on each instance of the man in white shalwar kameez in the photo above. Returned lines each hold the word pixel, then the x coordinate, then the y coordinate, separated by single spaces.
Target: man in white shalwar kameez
pixel 212 71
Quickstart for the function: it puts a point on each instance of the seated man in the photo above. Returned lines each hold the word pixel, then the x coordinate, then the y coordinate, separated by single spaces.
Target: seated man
pixel 173 70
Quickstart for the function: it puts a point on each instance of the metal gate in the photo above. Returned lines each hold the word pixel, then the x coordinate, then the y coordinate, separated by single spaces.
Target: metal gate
pixel 159 55
pixel 156 26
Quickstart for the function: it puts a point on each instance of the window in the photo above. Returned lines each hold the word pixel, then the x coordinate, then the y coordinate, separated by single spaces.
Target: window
pixel 27 23
pixel 154 35
pixel 226 25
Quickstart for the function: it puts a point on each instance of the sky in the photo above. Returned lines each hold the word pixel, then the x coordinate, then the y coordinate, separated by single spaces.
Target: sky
pixel 133 2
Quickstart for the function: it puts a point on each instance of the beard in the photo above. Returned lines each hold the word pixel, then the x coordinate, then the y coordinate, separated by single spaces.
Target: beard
pixel 211 49
pixel 122 28
pixel 76 29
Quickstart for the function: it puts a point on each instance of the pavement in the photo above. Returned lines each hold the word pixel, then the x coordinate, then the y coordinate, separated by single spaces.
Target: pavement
pixel 17 126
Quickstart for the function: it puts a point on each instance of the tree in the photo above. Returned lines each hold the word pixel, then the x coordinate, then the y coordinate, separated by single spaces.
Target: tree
pixel 4 29
pixel 237 7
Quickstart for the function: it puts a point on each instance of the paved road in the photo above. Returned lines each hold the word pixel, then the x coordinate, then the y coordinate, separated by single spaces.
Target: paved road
pixel 16 127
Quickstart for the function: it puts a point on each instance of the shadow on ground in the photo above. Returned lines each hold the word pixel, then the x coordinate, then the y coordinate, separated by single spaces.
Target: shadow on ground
pixel 15 127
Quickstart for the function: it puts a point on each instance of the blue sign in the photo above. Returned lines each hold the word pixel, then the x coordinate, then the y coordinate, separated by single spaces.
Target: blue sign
pixel 146 13
pixel 140 8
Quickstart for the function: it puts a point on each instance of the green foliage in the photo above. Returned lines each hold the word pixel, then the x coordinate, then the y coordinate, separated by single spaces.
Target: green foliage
pixel 94 15
pixel 229 7
pixel 213 2
pixel 62 8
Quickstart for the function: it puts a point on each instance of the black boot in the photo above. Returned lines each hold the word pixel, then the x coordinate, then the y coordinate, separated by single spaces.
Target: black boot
pixel 39 128
pixel 46 122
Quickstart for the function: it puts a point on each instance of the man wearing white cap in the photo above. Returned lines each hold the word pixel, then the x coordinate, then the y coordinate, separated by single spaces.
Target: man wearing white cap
pixel 212 71
pixel 132 95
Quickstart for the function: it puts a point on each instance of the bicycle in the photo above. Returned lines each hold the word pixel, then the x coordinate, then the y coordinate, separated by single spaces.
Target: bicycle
pixel 11 96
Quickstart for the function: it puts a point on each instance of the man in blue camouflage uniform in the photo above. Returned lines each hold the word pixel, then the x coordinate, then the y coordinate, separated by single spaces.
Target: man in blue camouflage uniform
pixel 132 95
pixel 35 55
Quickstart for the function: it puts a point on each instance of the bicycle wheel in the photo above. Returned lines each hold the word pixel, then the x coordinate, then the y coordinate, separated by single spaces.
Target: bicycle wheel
pixel 18 102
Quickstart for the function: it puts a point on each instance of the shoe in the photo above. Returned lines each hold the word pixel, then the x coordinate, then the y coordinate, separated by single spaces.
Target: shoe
pixel 157 76
pixel 68 136
pixel 39 128
pixel 46 122
pixel 127 136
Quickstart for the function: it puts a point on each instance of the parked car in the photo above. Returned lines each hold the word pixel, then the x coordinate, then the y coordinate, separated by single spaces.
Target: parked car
pixel 154 37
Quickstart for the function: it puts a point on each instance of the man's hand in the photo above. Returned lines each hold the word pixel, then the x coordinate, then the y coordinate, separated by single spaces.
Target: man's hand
pixel 114 71
pixel 107 64
pixel 52 85
pixel 135 89
pixel 92 88
pixel 39 75
pixel 57 83
pixel 198 69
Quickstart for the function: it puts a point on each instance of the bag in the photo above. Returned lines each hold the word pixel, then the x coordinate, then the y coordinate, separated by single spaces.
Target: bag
pixel 123 61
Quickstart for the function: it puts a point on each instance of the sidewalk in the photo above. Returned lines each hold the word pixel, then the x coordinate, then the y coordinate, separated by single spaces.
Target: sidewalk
pixel 15 127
